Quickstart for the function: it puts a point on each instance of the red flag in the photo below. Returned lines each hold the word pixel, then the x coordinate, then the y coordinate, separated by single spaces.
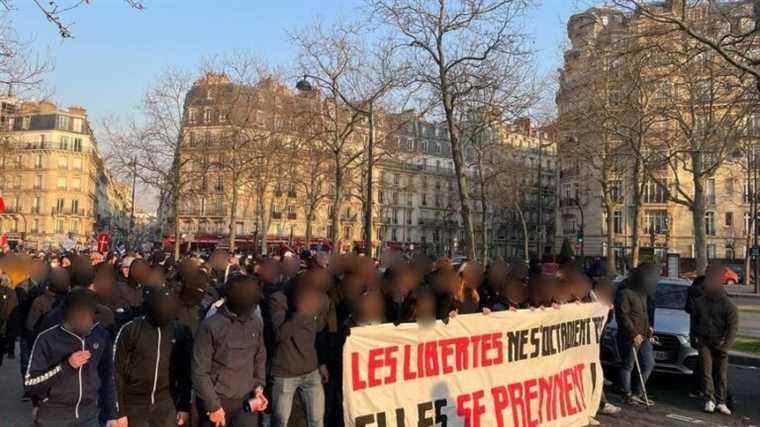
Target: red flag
pixel 4 240
pixel 2 203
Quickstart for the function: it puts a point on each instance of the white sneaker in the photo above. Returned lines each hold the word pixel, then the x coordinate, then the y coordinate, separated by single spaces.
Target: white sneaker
pixel 710 406
pixel 609 409
pixel 723 409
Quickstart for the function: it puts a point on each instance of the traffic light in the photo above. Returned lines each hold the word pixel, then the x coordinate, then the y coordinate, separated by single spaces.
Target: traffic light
pixel 579 236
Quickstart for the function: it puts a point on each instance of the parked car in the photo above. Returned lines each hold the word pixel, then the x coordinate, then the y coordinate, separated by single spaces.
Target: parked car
pixel 731 277
pixel 672 351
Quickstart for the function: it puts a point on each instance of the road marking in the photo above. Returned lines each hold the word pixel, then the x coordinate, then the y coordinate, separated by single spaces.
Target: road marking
pixel 688 419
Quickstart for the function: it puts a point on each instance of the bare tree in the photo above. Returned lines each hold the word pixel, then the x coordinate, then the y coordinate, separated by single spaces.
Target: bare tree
pixel 55 11
pixel 732 33
pixel 456 49
pixel 351 80
pixel 152 143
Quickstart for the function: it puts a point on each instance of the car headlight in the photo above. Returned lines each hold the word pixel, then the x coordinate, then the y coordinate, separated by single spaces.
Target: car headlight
pixel 683 339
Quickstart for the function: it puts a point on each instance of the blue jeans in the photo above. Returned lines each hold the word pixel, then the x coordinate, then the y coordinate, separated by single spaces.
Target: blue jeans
pixel 629 382
pixel 284 390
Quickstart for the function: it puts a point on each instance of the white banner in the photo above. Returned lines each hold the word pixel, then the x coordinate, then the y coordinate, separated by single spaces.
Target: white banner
pixel 524 368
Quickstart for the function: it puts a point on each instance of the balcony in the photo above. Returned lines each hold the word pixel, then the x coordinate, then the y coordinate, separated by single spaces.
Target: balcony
pixel 276 215
pixel 292 216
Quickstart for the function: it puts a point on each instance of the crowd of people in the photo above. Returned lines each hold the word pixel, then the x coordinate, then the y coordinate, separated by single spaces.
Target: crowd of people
pixel 233 340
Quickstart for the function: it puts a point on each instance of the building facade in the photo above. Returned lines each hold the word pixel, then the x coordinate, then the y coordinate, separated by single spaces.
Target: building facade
pixel 415 196
pixel 52 176
pixel 663 187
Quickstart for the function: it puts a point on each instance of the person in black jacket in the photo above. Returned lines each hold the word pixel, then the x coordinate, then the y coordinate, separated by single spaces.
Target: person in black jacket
pixel 229 358
pixel 297 363
pixel 53 296
pixel 152 366
pixel 715 323
pixel 635 333
pixel 696 290
pixel 71 368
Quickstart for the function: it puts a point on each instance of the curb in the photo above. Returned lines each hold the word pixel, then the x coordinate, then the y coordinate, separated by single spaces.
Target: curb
pixel 743 359
pixel 743 295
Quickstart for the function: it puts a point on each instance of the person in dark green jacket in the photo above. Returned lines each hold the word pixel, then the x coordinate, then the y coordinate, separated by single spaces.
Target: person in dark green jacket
pixel 715 321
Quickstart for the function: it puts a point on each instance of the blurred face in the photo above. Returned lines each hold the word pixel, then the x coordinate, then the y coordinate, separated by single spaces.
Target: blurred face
pixel 714 278
pixel 370 309
pixel 140 272
pixel 497 273
pixel 447 282
pixel 425 309
pixel 269 272
pixel 472 275
pixel 516 292
pixel 105 282
pixel 219 260
pixel 80 321
pixel 290 266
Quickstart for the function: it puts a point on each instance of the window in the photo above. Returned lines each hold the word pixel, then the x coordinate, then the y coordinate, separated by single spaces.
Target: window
pixel 38 161
pixel 77 125
pixel 74 226
pixel 77 164
pixel 424 199
pixel 618 222
pixel 654 192
pixel 657 221
pixel 63 142
pixel 61 183
pixel 710 191
pixel 729 219
pixel 25 121
pixel 77 145
pixel 711 251
pixel 76 183
pixel 75 206
pixel 396 179
pixel 395 217
pixel 59 226
pixel 381 196
pixel 36 226
pixel 64 122
pixel 59 205
pixel 38 182
pixel 18 181
pixel 616 190
pixel 191 115
pixel 63 162
pixel 710 223
pixel 207 115
pixel 36 205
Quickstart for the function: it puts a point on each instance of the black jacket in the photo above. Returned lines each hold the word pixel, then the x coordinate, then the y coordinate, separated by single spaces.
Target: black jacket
pixel 631 311
pixel 715 318
pixel 229 358
pixel 301 341
pixel 65 392
pixel 40 307
pixel 152 364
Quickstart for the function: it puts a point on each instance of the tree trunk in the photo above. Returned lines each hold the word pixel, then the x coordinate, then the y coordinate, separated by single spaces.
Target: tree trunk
pixel 611 267
pixel 176 187
pixel 698 217
pixel 483 215
pixel 636 226
pixel 309 219
pixel 525 232
pixel 337 194
pixel 233 211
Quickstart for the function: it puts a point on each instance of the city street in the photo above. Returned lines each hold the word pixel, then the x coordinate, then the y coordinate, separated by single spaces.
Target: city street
pixel 673 406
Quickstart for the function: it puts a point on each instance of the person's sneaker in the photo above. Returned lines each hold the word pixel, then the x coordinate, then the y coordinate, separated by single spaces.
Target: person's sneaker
pixel 593 422
pixel 609 409
pixel 645 400
pixel 632 400
pixel 710 407
pixel 723 409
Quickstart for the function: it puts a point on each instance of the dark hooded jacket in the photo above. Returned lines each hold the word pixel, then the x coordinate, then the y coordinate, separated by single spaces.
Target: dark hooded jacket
pixel 152 364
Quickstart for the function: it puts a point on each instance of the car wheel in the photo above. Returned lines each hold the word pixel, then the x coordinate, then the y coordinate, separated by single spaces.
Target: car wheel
pixel 731 283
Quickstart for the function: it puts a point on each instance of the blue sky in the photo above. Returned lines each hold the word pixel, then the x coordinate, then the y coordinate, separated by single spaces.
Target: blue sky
pixel 117 51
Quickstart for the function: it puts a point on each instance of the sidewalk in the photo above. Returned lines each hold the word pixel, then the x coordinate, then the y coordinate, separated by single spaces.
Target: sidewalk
pixel 743 359
pixel 742 291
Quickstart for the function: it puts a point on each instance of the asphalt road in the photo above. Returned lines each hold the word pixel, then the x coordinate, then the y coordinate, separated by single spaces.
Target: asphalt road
pixel 673 406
